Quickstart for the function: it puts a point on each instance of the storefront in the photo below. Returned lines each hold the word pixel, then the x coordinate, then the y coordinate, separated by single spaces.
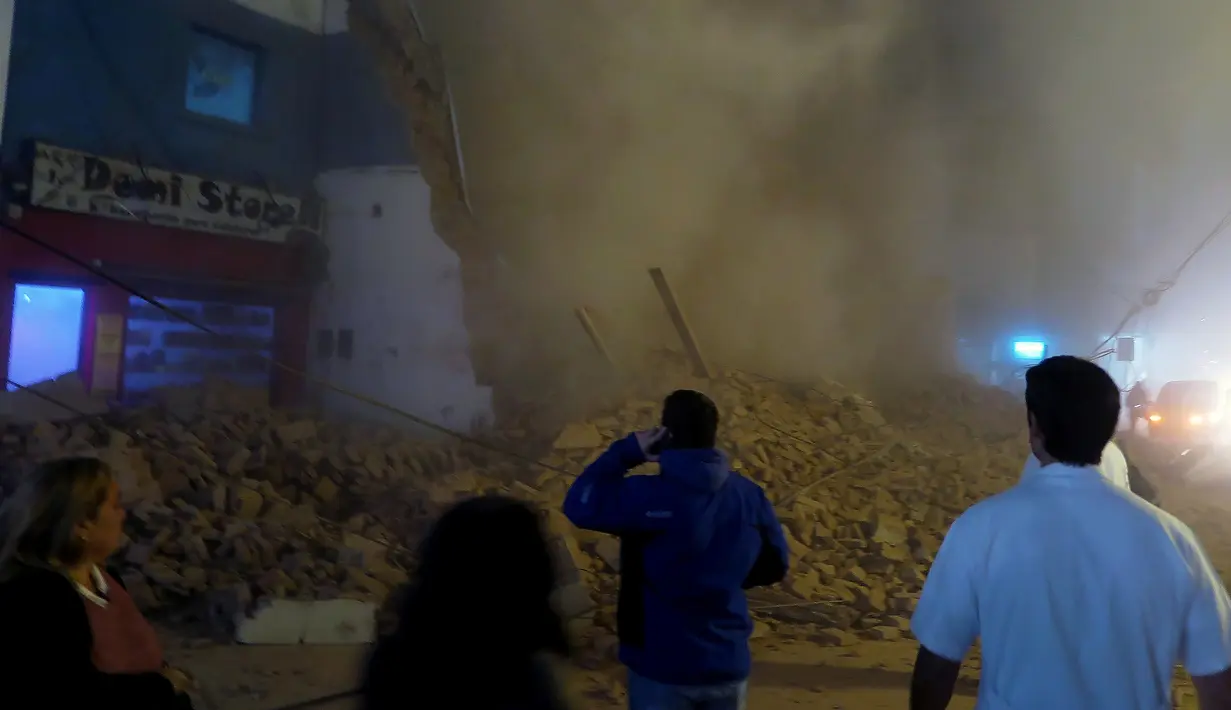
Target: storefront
pixel 234 258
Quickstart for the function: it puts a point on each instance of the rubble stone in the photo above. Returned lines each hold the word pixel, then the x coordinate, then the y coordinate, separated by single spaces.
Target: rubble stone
pixel 234 509
pixel 865 490
pixel 579 436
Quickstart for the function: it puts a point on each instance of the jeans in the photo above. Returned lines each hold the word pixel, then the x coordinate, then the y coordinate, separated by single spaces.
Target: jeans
pixel 646 694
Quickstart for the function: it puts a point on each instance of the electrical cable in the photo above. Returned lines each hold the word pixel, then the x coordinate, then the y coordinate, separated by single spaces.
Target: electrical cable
pixel 465 438
pixel 47 398
pixel 139 111
pixel 326 384
pixel 151 128
pixel 1151 297
pixel 354 692
pixel 5 224
pixel 135 106
pixel 100 273
pixel 428 424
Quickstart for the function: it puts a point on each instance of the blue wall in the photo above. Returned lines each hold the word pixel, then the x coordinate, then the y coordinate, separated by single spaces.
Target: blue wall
pixel 109 78
pixel 362 125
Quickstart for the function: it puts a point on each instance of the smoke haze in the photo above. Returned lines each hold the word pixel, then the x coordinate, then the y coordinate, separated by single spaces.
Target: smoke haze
pixel 826 183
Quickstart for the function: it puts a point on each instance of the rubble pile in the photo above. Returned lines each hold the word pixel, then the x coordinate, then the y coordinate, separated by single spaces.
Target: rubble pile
pixel 228 508
pixel 864 502
pixel 231 505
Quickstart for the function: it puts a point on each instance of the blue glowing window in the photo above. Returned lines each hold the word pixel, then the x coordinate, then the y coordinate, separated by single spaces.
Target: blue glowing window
pixel 46 334
pixel 1029 349
pixel 221 79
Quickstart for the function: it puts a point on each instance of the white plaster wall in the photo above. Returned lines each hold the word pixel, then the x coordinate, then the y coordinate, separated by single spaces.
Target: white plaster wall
pixel 397 286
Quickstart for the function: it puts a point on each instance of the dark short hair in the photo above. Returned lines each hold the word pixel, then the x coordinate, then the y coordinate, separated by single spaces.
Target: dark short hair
pixel 692 419
pixel 1076 407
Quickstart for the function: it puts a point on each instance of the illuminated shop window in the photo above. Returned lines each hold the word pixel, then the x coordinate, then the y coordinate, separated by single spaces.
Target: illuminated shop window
pixel 46 335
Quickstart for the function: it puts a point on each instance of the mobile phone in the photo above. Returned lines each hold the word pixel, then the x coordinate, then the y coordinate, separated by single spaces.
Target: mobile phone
pixel 664 442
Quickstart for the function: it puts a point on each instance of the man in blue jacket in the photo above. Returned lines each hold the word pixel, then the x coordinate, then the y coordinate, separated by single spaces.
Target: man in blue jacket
pixel 692 540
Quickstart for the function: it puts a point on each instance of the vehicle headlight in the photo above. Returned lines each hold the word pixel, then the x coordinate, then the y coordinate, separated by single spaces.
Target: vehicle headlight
pixel 1156 418
pixel 1196 420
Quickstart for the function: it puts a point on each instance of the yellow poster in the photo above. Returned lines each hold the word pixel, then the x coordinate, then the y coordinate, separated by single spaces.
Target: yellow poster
pixel 108 351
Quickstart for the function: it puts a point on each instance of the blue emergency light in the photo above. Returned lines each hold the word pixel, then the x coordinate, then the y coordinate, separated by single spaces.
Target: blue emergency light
pixel 1030 350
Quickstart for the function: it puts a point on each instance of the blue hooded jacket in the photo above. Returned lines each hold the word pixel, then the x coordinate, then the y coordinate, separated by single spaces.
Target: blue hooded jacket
pixel 692 540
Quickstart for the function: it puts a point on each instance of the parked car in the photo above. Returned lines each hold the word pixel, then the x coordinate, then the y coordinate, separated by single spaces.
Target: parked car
pixel 1187 413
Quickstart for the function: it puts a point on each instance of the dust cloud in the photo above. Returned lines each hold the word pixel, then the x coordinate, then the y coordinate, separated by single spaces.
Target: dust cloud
pixel 1095 155
pixel 832 185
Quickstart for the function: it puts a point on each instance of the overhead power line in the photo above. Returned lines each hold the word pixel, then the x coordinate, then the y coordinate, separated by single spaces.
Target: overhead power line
pixel 1152 296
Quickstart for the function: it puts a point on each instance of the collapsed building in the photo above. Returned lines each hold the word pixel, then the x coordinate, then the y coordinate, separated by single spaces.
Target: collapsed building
pixel 803 228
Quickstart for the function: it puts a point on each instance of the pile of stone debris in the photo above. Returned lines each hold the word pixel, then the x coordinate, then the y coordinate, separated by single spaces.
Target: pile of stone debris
pixel 864 502
pixel 233 505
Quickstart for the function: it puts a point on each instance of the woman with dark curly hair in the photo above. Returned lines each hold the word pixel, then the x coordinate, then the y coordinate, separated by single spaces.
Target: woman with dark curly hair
pixel 477 629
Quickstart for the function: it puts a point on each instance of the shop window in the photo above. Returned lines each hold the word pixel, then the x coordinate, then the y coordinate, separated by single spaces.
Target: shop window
pixel 46 333
pixel 222 76
pixel 163 351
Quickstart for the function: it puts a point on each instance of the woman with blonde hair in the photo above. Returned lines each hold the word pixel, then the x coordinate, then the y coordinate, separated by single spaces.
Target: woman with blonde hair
pixel 69 632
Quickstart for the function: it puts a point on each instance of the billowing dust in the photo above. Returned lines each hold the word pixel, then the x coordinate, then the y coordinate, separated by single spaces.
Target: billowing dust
pixel 832 185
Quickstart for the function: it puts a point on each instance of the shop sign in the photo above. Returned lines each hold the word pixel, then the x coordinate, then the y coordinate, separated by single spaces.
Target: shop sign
pixel 73 181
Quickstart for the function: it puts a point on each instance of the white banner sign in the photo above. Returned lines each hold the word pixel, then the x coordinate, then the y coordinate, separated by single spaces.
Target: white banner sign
pixel 72 181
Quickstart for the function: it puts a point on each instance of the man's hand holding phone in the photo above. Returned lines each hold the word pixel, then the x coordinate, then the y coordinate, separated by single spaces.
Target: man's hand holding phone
pixel 651 441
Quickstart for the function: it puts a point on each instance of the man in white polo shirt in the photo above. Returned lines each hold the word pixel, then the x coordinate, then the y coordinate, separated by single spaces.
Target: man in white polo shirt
pixel 1112 465
pixel 1085 597
pixel 1117 469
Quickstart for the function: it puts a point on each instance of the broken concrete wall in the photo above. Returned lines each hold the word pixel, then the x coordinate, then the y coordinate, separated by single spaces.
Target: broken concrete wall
pixel 395 287
pixel 415 77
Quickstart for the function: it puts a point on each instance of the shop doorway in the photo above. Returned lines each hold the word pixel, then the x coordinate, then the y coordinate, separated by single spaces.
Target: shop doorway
pixel 45 338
